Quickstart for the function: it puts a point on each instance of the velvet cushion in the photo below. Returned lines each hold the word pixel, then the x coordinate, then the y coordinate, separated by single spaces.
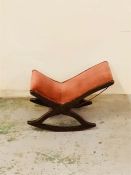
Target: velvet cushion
pixel 63 92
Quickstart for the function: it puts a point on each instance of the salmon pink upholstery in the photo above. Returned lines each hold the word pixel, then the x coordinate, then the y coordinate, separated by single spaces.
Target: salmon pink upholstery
pixel 63 92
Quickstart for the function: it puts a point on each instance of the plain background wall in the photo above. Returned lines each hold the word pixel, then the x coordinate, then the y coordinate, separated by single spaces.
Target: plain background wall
pixel 61 38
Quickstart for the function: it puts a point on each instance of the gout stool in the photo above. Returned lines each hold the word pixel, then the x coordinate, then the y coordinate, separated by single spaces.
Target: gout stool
pixel 61 97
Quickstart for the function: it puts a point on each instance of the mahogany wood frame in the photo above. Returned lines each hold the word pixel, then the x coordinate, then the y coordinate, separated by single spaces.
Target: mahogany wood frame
pixel 66 109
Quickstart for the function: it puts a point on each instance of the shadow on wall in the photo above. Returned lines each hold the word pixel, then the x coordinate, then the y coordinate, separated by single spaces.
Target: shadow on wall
pixel 117 87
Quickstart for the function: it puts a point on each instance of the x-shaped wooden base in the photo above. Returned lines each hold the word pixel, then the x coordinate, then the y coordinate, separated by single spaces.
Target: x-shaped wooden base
pixel 62 110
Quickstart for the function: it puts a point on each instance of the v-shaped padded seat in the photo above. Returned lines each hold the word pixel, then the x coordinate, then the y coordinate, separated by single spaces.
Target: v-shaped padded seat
pixel 70 91
pixel 63 92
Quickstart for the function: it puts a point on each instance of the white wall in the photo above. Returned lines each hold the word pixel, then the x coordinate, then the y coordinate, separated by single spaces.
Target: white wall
pixel 62 38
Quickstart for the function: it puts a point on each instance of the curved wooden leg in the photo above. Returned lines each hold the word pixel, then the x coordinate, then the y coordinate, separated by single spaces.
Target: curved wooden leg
pixel 83 124
pixel 45 116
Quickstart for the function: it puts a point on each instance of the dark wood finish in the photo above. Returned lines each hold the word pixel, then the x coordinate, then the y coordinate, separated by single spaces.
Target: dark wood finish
pixel 83 124
pixel 65 109
pixel 81 103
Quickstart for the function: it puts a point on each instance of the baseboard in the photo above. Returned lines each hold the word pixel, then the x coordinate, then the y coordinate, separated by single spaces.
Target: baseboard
pixel 26 93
